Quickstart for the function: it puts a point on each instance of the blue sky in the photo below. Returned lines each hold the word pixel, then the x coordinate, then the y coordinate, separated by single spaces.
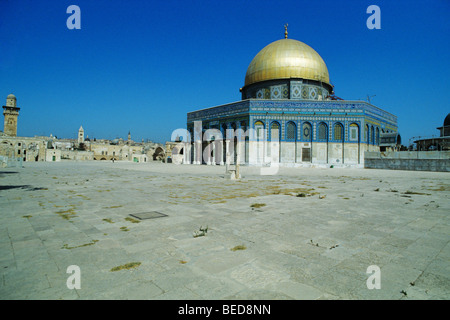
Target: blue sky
pixel 140 66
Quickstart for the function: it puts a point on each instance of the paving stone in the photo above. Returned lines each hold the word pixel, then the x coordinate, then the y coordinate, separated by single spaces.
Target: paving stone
pixel 299 291
pixel 407 239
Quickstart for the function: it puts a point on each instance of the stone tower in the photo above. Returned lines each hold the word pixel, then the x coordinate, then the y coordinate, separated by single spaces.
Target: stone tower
pixel 11 112
pixel 81 135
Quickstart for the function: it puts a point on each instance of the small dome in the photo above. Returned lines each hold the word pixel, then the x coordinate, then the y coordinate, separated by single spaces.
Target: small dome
pixel 11 96
pixel 447 120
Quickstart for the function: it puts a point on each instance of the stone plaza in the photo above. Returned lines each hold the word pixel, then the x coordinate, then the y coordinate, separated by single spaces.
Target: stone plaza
pixel 302 233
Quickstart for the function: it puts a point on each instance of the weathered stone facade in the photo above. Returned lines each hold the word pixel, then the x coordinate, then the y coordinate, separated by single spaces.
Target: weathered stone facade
pixel 409 160
pixel 27 149
pixel 80 149
pixel 11 113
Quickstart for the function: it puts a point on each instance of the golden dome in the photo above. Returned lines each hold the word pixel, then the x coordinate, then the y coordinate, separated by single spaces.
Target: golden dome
pixel 284 59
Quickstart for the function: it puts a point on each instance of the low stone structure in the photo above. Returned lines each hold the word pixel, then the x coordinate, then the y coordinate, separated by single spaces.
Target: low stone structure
pixel 77 155
pixel 408 160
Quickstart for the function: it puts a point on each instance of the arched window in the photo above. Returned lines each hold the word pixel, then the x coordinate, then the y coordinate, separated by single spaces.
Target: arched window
pixel 367 134
pixel 244 126
pixel 354 132
pixel 377 137
pixel 338 132
pixel 291 131
pixel 275 131
pixel 372 135
pixel 306 132
pixel 322 131
pixel 223 130
pixel 259 128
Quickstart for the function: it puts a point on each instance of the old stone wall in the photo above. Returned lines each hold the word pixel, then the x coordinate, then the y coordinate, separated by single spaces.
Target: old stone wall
pixel 408 160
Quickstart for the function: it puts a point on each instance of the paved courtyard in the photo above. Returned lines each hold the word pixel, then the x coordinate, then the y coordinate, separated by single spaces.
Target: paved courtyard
pixel 304 233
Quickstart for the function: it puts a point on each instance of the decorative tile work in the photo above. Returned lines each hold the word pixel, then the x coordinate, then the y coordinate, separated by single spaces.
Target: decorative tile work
pixel 260 94
pixel 312 93
pixel 328 111
pixel 296 90
pixel 319 93
pixel 276 92
pixel 285 92
pixel 305 92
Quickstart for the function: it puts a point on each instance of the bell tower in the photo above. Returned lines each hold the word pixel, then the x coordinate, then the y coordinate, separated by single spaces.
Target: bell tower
pixel 81 135
pixel 11 113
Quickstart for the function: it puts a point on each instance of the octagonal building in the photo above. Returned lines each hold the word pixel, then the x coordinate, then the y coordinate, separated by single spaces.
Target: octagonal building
pixel 288 115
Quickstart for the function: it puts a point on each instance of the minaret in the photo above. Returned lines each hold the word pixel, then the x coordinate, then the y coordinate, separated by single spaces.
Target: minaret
pixel 11 112
pixel 81 135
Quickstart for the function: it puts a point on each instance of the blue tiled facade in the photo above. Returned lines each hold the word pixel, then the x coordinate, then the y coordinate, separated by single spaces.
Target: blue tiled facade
pixel 288 115
pixel 244 114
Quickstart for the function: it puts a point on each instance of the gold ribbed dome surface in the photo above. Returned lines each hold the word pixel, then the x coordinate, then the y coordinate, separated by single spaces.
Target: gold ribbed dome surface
pixel 284 59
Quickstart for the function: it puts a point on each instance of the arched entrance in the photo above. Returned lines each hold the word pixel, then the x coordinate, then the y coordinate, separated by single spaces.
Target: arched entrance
pixel 159 154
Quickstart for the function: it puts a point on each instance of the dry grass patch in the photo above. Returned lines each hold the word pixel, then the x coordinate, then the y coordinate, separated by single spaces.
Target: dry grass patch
pixel 127 266
pixel 414 192
pixel 67 214
pixel 66 246
pixel 257 205
pixel 440 188
pixel 113 207
pixel 132 220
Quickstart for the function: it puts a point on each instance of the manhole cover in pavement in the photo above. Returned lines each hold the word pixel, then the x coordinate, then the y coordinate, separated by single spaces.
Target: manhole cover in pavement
pixel 148 215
